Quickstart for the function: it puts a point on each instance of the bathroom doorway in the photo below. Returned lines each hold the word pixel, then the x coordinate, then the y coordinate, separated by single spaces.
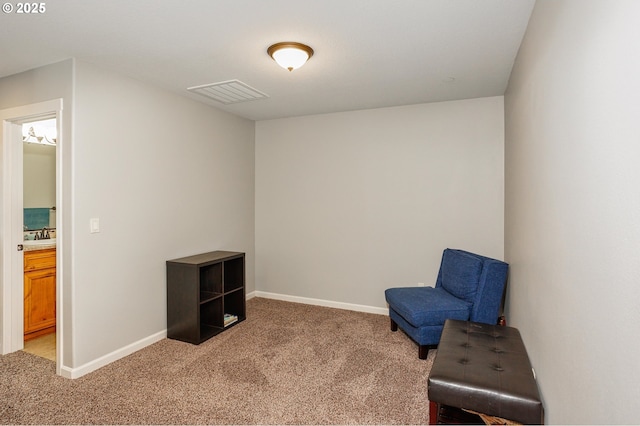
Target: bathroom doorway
pixel 13 222
pixel 39 140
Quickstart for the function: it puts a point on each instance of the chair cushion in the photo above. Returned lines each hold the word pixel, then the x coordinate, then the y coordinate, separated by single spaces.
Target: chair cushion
pixel 461 274
pixel 426 306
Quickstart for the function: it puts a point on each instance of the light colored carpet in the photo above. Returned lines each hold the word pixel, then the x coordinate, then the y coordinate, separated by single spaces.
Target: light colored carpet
pixel 287 363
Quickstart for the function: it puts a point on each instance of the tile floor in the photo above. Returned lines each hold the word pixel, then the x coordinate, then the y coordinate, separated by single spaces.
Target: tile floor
pixel 43 346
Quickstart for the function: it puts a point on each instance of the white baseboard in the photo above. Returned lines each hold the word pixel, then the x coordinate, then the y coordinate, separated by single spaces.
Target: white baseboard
pixel 74 373
pixel 320 302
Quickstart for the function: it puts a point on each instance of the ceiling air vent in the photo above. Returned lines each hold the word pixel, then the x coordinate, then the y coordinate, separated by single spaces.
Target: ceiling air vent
pixel 228 92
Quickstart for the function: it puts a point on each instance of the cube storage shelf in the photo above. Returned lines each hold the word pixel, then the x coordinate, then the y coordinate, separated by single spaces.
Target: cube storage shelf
pixel 201 289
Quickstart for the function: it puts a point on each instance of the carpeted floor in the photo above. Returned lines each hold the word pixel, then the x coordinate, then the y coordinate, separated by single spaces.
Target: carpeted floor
pixel 287 363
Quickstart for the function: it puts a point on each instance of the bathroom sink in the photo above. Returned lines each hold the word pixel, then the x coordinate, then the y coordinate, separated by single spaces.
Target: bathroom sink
pixel 33 243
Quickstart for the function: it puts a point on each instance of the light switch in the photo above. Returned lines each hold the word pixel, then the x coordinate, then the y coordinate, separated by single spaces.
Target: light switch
pixel 94 225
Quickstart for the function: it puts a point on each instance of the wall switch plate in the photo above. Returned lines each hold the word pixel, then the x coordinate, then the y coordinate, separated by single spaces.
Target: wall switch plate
pixel 94 225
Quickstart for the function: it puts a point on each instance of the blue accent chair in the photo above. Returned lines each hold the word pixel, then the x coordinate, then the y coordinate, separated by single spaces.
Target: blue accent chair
pixel 469 287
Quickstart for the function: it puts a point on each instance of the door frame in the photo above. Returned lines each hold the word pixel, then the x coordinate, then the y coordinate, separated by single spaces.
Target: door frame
pixel 11 225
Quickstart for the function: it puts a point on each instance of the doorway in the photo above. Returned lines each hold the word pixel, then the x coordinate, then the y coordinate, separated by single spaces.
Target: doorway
pixel 39 246
pixel 12 225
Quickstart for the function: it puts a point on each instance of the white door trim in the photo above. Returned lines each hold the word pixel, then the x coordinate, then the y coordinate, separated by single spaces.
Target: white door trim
pixel 11 221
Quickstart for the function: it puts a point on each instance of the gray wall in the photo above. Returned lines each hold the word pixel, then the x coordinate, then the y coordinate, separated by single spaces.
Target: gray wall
pixel 349 204
pixel 166 176
pixel 572 229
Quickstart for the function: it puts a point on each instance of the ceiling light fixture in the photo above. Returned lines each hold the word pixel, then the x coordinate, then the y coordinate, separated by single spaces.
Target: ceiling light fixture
pixel 290 54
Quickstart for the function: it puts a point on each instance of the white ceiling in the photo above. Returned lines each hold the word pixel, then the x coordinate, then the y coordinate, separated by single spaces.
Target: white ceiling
pixel 368 53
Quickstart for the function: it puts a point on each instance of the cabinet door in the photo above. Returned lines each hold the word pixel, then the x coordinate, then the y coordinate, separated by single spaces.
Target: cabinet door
pixel 39 299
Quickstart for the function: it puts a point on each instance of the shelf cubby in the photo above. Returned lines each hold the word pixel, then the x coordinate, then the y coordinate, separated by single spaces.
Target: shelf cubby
pixel 233 274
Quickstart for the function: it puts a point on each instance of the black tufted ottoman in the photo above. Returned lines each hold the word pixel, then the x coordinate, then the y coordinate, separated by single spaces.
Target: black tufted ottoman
pixel 483 369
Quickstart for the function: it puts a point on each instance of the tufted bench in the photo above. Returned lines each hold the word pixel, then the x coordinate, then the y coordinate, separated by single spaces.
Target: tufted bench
pixel 484 369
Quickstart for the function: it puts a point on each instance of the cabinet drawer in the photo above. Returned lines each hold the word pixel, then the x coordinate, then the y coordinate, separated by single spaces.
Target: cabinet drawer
pixel 39 259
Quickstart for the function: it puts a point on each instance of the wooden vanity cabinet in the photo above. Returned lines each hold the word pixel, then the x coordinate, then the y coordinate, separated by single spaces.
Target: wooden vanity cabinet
pixel 39 293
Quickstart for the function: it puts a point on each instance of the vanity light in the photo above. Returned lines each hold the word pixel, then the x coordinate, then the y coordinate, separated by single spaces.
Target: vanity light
pixel 40 132
pixel 290 54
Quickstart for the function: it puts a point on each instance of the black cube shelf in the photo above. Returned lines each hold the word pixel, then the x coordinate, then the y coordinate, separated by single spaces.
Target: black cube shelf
pixel 202 291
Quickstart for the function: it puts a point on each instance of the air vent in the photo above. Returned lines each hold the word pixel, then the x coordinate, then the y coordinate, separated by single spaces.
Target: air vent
pixel 228 92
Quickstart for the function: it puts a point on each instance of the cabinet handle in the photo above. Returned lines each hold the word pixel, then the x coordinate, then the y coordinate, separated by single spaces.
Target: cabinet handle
pixel 20 247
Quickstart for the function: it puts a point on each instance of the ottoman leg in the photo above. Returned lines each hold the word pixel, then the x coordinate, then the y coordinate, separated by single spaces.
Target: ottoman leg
pixel 394 326
pixel 433 413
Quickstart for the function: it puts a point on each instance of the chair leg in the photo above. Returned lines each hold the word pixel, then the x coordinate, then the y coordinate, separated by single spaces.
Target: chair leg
pixel 423 350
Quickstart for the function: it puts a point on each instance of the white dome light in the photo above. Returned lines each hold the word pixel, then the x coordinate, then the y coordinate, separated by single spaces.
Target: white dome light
pixel 290 55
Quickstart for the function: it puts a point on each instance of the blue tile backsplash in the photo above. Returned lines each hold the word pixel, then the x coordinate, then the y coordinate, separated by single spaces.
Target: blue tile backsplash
pixel 37 218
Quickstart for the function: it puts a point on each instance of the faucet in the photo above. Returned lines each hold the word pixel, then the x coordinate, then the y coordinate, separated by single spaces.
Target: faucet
pixel 43 235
